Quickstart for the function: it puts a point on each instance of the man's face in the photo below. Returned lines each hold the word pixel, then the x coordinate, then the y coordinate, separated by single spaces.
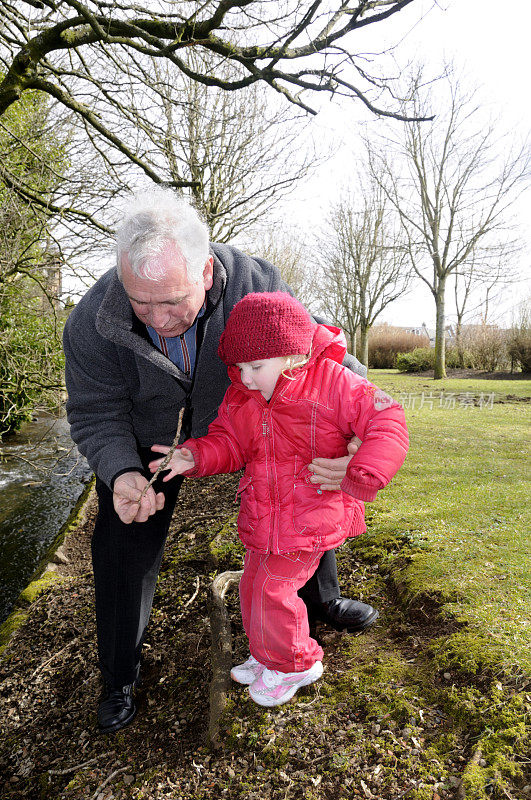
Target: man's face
pixel 170 304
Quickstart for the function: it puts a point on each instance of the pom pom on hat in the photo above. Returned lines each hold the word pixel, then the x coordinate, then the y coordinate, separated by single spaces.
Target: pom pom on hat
pixel 266 325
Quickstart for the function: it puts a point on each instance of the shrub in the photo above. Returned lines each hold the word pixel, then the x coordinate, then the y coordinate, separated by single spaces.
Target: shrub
pixel 519 342
pixel 386 341
pixel 486 346
pixel 453 360
pixel 419 360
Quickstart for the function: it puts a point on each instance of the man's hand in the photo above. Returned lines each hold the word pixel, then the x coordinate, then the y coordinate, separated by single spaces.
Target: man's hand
pixel 126 498
pixel 329 472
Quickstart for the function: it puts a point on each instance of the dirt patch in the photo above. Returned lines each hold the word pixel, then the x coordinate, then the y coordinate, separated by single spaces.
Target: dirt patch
pixel 384 722
pixel 472 374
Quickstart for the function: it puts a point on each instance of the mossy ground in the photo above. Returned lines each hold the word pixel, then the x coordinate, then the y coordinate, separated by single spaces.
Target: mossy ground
pixel 432 702
pixel 462 500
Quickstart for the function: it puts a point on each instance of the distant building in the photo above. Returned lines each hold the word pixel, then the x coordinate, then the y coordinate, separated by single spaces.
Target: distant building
pixel 421 330
pixel 47 283
pixel 470 331
pixel 52 280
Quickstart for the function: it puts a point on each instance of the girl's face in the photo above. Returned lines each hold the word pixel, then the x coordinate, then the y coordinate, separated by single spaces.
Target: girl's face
pixel 262 374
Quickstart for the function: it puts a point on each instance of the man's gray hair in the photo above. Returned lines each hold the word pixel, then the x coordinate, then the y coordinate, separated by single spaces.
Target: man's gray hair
pixel 154 219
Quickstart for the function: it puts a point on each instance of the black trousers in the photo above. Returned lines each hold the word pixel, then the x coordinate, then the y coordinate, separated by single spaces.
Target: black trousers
pixel 126 561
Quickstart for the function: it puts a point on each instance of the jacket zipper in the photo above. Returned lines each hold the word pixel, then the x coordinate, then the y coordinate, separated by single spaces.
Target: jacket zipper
pixel 268 446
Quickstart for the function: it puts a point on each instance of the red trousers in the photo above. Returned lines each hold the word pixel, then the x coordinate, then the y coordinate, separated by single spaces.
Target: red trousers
pixel 274 616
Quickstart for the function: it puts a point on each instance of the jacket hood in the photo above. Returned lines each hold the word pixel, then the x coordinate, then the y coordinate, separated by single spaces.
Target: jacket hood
pixel 327 342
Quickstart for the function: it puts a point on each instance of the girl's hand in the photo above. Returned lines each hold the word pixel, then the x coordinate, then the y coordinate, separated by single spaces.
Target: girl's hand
pixel 181 461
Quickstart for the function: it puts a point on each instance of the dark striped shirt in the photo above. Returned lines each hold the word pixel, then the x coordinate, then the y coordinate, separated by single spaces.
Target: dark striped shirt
pixel 181 350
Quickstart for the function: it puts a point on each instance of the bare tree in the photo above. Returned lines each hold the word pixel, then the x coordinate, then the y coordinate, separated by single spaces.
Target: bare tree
pixel 52 189
pixel 240 153
pixel 30 350
pixel 28 142
pixel 71 49
pixel 451 190
pixel 338 298
pixel 283 248
pixel 365 267
pixel 483 278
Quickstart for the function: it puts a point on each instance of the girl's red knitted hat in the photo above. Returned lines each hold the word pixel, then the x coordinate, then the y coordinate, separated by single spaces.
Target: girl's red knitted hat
pixel 266 325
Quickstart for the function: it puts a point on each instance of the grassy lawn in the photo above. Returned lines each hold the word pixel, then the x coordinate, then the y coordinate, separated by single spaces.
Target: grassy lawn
pixel 399 383
pixel 462 501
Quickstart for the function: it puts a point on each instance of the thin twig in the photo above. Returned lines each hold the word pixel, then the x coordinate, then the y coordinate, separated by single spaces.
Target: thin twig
pixel 80 686
pixel 55 655
pixel 102 755
pixel 191 600
pixel 167 458
pixel 198 520
pixel 79 766
pixel 188 602
pixel 403 794
pixel 108 780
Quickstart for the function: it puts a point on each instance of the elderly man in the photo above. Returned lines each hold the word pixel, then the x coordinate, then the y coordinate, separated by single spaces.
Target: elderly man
pixel 140 345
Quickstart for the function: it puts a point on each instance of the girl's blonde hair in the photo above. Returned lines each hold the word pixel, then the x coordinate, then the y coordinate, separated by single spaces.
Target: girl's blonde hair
pixel 294 362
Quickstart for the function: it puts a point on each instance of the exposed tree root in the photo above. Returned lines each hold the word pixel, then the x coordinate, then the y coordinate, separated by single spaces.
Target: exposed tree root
pixel 221 650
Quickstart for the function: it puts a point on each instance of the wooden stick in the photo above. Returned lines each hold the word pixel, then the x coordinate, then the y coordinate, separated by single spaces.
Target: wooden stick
pixel 167 458
pixel 221 652
pixel 109 779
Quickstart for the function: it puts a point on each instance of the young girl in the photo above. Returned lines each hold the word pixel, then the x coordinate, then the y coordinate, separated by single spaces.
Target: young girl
pixel 290 400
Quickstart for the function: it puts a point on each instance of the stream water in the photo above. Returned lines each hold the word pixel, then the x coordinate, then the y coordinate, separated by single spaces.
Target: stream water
pixel 42 476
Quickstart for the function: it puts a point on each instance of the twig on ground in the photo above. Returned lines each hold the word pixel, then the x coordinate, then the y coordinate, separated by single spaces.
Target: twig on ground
pixel 403 794
pixel 221 650
pixel 192 598
pixel 167 458
pixel 108 780
pixel 102 755
pixel 190 523
pixel 55 655
pixel 188 602
pixel 79 766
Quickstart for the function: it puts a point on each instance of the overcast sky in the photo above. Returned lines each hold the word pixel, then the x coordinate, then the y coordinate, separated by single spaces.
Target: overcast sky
pixel 488 42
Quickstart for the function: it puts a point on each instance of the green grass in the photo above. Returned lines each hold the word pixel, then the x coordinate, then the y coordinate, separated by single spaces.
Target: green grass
pixel 462 500
pixel 397 383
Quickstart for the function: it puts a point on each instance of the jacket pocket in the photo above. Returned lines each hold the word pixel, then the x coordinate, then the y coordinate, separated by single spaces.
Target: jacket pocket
pixel 248 516
pixel 315 511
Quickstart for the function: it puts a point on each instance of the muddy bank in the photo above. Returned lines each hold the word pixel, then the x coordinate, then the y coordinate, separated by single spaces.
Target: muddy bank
pixel 394 716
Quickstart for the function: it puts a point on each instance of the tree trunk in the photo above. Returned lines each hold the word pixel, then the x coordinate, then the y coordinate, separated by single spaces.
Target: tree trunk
pixel 440 333
pixel 459 342
pixel 352 336
pixel 364 344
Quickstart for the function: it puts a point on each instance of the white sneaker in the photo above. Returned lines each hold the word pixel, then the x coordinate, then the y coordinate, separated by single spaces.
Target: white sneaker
pixel 272 688
pixel 247 672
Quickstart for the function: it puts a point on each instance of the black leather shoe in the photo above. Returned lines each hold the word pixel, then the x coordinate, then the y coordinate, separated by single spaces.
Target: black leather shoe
pixel 344 614
pixel 117 709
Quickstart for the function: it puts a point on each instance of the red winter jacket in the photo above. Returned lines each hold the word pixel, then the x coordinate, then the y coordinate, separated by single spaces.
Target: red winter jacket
pixel 314 415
